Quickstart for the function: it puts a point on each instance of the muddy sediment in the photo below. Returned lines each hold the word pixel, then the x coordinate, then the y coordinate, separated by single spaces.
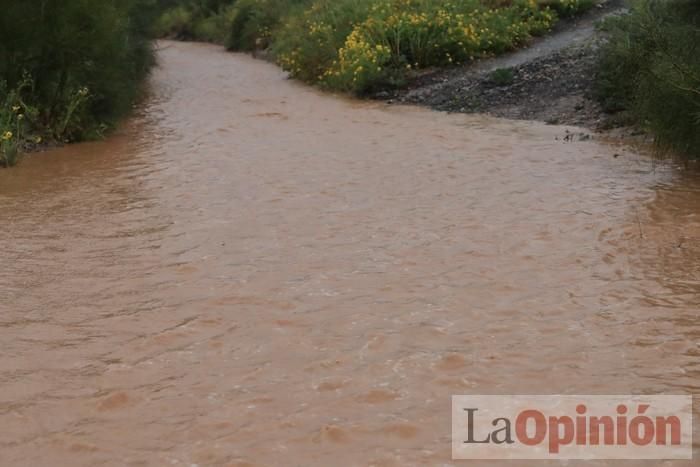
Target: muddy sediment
pixel 555 89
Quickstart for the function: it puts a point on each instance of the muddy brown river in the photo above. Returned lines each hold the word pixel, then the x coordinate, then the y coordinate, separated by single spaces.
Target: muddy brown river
pixel 253 273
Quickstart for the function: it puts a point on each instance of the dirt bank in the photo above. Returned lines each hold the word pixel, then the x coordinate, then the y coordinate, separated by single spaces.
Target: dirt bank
pixel 551 80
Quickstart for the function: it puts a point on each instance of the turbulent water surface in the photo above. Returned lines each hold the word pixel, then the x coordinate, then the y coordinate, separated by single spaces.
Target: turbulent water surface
pixel 253 273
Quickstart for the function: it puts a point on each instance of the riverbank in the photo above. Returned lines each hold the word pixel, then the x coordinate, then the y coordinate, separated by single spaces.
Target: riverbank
pixel 571 62
pixel 552 80
pixel 365 46
pixel 542 66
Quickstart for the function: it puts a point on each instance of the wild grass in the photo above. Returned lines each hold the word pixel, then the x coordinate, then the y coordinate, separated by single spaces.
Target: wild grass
pixel 15 118
pixel 502 76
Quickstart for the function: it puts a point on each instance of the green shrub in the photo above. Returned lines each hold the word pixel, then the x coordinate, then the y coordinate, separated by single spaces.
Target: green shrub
pixel 243 30
pixel 196 20
pixel 176 23
pixel 214 28
pixel 309 42
pixel 650 68
pixel 502 76
pixel 254 21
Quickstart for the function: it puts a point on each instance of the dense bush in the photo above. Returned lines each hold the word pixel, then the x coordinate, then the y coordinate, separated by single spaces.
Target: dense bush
pixel 254 21
pixel 203 20
pixel 69 68
pixel 308 43
pixel 650 70
pixel 176 23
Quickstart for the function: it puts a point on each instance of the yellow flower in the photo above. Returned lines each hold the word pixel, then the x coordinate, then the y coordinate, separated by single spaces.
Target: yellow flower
pixel 20 116
pixel 15 108
pixel 7 136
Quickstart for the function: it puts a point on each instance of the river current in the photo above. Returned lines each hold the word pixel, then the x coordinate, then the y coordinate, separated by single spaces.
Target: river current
pixel 253 273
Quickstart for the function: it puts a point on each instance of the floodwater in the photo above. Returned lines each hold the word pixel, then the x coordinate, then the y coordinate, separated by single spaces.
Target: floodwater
pixel 252 273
